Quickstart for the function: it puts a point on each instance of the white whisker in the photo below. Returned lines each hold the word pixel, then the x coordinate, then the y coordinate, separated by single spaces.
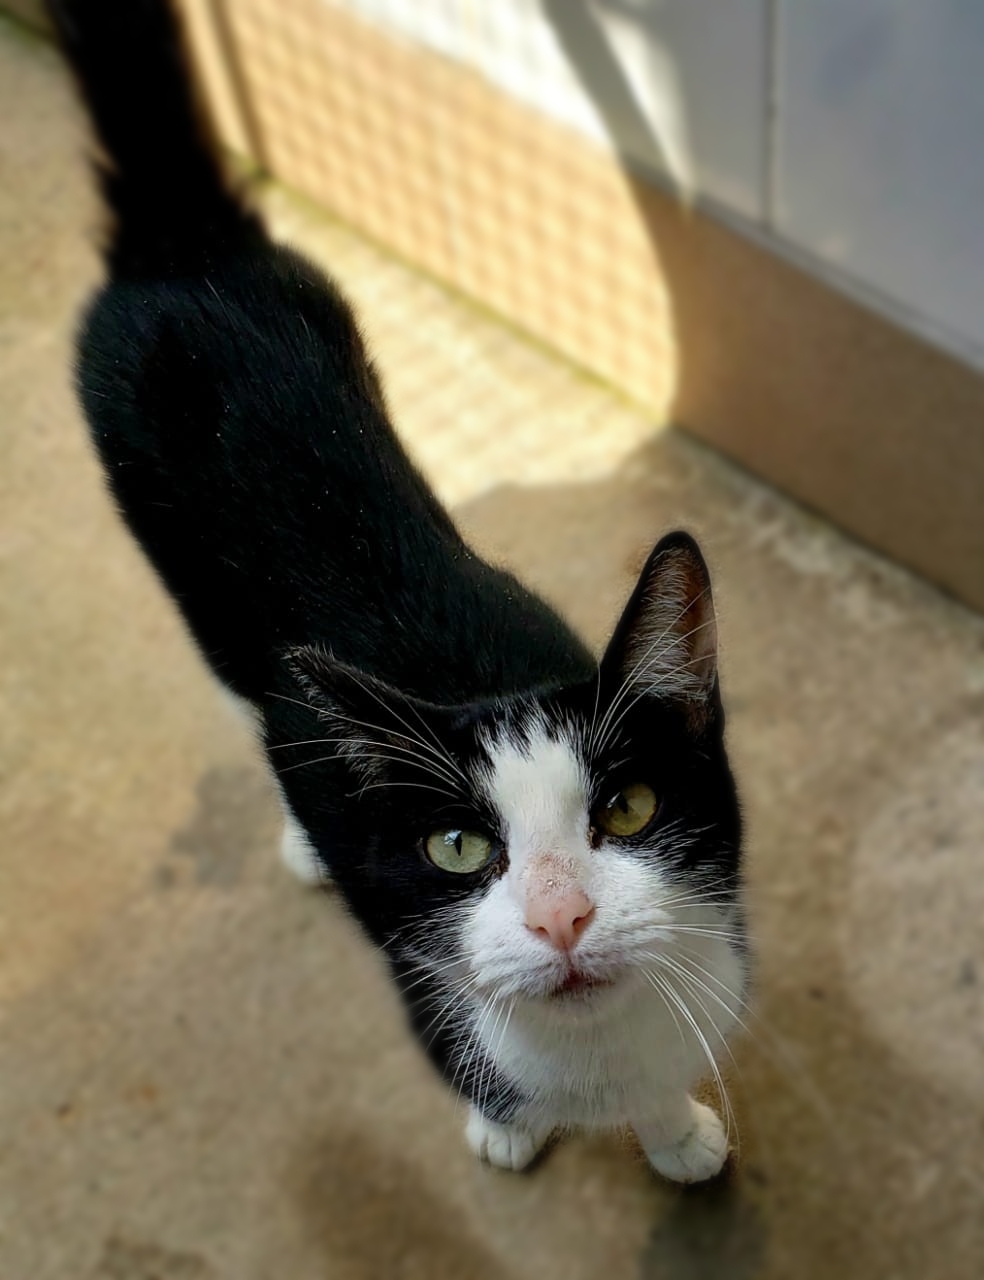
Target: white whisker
pixel 656 985
pixel 694 985
pixel 411 757
pixel 375 786
pixel 448 1010
pixel 440 752
pixel 691 1021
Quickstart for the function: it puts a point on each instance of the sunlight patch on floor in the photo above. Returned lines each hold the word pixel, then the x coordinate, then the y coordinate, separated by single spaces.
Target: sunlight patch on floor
pixel 479 405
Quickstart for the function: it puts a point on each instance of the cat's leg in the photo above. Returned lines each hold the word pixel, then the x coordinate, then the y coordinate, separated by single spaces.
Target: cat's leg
pixel 686 1143
pixel 512 1145
pixel 297 853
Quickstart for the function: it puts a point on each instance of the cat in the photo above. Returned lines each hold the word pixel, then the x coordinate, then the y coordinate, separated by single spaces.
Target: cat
pixel 545 846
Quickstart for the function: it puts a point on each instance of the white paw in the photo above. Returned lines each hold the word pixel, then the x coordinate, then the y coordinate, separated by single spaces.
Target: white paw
pixel 699 1154
pixel 507 1146
pixel 298 856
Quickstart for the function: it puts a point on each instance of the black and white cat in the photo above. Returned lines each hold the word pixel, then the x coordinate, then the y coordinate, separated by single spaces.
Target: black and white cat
pixel 545 847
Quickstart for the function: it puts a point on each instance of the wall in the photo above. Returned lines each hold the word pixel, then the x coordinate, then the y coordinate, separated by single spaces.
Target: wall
pixel 846 133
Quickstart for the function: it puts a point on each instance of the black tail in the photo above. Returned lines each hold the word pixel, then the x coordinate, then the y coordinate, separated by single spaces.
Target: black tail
pixel 161 176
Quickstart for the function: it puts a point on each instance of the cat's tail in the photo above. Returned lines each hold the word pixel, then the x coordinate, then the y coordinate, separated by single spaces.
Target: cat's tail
pixel 173 210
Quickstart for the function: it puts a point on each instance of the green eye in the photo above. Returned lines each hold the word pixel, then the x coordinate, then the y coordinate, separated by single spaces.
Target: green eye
pixel 461 852
pixel 628 812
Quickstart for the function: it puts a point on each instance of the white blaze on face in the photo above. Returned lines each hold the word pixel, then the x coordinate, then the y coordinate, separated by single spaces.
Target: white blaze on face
pixel 539 789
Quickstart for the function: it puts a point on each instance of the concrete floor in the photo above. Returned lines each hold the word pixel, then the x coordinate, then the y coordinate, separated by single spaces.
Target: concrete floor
pixel 203 1072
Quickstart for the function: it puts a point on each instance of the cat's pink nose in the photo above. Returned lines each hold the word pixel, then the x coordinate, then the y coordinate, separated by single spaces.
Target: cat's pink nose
pixel 560 919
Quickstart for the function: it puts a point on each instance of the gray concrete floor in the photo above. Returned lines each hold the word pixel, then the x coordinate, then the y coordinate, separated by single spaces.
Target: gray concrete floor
pixel 203 1072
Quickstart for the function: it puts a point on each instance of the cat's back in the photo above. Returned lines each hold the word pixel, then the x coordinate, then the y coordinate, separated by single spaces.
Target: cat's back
pixel 246 440
pixel 250 339
pixel 251 376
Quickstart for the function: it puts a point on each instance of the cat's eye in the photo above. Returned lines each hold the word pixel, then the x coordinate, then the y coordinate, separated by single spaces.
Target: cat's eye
pixel 462 852
pixel 628 812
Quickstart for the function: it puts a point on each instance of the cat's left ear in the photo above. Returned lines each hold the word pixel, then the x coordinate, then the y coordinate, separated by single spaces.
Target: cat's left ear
pixel 665 644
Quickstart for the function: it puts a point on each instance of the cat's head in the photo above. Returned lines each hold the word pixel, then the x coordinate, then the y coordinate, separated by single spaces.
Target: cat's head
pixel 554 847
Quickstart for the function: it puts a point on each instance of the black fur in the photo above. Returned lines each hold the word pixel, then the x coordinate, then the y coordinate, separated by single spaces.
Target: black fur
pixel 246 440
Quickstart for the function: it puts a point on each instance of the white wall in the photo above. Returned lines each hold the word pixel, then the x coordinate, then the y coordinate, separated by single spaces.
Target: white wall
pixel 849 133
pixel 881 149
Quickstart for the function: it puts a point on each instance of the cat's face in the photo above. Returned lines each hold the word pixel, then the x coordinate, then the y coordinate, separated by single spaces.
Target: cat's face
pixel 558 850
pixel 607 849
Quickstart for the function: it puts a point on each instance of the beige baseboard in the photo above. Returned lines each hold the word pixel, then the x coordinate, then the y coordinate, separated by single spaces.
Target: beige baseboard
pixel 870 425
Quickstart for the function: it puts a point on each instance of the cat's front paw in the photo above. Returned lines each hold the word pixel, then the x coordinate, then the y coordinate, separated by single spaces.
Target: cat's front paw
pixel 699 1154
pixel 507 1146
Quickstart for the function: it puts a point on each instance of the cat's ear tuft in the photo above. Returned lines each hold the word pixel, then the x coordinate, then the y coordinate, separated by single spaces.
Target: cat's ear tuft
pixel 335 689
pixel 313 670
pixel 360 706
pixel 666 640
pixel 364 718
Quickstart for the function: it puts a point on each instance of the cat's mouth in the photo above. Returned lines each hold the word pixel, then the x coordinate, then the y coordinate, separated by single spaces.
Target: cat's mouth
pixel 578 985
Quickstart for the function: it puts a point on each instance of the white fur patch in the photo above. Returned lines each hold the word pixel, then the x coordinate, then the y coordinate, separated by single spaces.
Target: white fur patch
pixel 298 855
pixel 540 793
pixel 296 851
